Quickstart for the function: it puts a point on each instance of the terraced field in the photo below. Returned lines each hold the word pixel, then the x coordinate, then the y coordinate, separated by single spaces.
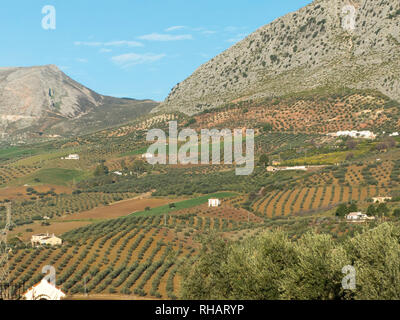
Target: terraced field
pixel 300 201
pixel 53 206
pixel 132 255
pixel 308 112
pixel 11 173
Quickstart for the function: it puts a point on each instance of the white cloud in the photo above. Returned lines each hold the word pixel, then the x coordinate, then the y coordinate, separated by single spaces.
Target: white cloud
pixel 166 37
pixel 209 32
pixel 123 43
pixel 118 43
pixel 89 44
pixel 82 60
pixel 174 28
pixel 131 59
pixel 104 50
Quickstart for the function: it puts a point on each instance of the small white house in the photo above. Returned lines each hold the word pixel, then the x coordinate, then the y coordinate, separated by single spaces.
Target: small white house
pixel 355 134
pixel 45 239
pixel 394 134
pixel 147 155
pixel 118 173
pixel 214 202
pixel 44 290
pixel 72 157
pixel 295 168
pixel 358 216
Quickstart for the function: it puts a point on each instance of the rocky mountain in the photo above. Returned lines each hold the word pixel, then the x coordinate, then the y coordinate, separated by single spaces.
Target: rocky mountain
pixel 44 99
pixel 329 43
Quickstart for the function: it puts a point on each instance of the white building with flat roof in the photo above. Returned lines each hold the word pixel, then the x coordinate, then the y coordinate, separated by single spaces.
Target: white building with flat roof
pixel 147 155
pixel 358 216
pixel 355 134
pixel 214 202
pixel 45 239
pixel 72 157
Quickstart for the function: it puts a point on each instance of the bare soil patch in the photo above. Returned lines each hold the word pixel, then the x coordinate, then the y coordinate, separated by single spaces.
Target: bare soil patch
pixel 120 209
pixel 57 228
pixel 14 193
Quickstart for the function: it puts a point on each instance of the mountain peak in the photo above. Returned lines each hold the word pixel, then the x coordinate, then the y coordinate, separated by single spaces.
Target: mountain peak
pixel 31 93
pixel 302 50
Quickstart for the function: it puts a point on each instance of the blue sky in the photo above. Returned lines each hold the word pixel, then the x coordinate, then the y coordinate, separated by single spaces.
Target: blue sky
pixel 130 48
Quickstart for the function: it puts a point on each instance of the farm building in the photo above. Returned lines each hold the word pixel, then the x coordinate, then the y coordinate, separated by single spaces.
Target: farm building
pixel 381 199
pixel 72 157
pixel 147 155
pixel 294 168
pixel 358 216
pixel 45 239
pixel 44 291
pixel 214 202
pixel 355 134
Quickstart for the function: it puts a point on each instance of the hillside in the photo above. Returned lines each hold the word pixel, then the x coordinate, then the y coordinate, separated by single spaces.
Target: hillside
pixel 303 50
pixel 130 235
pixel 134 230
pixel 319 111
pixel 38 100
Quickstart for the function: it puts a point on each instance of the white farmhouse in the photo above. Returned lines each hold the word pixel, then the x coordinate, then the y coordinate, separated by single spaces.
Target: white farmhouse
pixel 147 155
pixel 72 157
pixel 214 202
pixel 45 239
pixel 44 290
pixel 394 134
pixel 355 134
pixel 358 216
pixel 295 168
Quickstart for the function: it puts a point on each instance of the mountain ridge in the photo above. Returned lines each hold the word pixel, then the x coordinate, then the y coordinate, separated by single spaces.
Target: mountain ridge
pixel 43 98
pixel 300 51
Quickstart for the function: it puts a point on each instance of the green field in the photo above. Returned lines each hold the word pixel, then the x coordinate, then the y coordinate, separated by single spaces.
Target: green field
pixel 333 157
pixel 186 204
pixel 54 176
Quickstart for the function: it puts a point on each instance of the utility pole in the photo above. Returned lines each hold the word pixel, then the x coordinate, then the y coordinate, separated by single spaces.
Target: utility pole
pixel 4 251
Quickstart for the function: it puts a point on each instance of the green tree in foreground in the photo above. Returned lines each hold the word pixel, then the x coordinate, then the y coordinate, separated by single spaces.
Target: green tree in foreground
pixel 272 266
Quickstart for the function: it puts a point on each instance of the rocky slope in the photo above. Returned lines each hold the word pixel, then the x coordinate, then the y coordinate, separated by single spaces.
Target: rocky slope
pixel 310 48
pixel 35 99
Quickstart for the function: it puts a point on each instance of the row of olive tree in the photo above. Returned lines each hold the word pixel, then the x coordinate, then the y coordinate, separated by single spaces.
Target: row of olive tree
pixel 271 266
